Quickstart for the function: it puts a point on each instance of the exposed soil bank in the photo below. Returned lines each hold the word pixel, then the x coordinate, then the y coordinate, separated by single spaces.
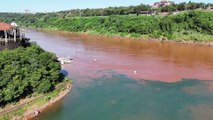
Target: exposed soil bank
pixel 20 104
pixel 33 112
pixel 163 40
pixel 31 105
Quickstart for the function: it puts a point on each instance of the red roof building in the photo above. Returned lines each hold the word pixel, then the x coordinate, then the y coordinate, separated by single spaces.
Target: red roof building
pixel 5 26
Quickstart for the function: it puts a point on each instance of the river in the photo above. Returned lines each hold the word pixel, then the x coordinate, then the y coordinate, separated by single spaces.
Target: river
pixel 129 79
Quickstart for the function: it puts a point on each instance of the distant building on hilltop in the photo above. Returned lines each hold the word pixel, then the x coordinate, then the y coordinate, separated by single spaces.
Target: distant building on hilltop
pixel 162 3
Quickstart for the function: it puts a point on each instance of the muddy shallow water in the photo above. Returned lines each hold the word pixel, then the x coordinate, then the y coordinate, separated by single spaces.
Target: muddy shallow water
pixel 123 79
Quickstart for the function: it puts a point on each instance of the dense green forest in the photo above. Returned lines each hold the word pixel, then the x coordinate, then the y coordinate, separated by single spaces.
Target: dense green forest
pixel 128 10
pixel 191 25
pixel 137 10
pixel 24 71
pixel 196 25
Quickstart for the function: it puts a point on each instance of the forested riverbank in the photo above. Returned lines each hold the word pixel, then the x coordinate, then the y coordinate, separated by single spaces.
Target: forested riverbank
pixel 31 70
pixel 185 26
pixel 27 74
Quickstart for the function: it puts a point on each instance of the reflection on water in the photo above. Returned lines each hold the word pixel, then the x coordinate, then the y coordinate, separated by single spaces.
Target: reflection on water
pixel 155 92
pixel 117 97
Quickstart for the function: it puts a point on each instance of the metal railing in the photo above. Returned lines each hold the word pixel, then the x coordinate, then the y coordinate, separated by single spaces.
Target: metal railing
pixel 9 39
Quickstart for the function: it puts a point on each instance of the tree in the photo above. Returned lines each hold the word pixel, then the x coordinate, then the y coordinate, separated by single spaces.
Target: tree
pixel 24 71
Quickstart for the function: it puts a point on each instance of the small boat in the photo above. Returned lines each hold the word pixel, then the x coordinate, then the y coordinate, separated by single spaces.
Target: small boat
pixel 64 60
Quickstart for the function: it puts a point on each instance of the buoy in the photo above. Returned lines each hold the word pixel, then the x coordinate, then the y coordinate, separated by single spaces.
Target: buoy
pixel 135 72
pixel 95 60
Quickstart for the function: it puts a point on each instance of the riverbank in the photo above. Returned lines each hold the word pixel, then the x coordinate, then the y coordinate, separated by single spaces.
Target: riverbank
pixel 190 26
pixel 33 112
pixel 119 36
pixel 32 107
pixel 147 38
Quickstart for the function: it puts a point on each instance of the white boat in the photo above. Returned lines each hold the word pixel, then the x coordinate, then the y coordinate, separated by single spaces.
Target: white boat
pixel 64 60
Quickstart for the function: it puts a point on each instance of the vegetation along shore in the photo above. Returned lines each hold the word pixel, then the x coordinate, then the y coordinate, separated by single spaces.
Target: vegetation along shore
pixel 30 81
pixel 179 25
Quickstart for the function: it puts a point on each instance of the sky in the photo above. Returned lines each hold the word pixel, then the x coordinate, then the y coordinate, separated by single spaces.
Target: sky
pixel 59 5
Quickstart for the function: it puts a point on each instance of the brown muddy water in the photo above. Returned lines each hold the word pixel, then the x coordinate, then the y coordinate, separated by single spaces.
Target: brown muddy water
pixel 129 79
